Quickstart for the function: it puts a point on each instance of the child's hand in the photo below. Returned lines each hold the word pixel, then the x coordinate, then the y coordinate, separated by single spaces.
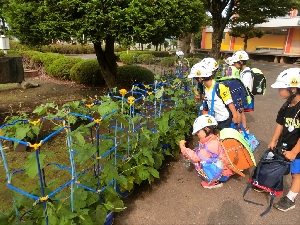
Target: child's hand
pixel 290 155
pixel 235 119
pixel 182 143
pixel 272 145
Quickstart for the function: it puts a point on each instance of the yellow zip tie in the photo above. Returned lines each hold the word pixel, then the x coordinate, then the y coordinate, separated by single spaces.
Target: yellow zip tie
pixel 99 157
pixel 89 105
pixel 0 132
pixel 44 198
pixel 34 123
pixel 98 191
pixel 97 120
pixel 149 92
pixel 77 182
pixel 35 146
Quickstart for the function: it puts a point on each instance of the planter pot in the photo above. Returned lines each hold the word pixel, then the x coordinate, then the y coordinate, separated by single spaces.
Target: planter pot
pixel 31 73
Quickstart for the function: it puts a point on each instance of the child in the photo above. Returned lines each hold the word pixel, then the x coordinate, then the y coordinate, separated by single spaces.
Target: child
pixel 209 146
pixel 288 131
pixel 224 109
pixel 240 59
pixel 232 71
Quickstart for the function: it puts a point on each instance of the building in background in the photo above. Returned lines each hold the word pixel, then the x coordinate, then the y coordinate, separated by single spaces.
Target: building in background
pixel 282 37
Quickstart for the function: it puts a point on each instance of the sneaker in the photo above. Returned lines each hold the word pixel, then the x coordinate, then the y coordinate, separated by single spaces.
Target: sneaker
pixel 257 189
pixel 211 185
pixel 284 204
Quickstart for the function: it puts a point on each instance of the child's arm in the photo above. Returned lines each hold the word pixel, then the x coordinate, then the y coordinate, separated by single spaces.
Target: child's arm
pixel 276 135
pixel 291 155
pixel 234 113
pixel 227 99
pixel 188 153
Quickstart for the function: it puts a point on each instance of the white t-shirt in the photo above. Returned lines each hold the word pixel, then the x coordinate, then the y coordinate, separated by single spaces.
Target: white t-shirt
pixel 246 78
pixel 221 112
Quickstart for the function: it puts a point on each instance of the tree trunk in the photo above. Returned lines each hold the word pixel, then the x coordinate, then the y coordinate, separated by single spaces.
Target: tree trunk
pixel 192 44
pixel 245 43
pixel 107 61
pixel 219 22
pixel 216 43
pixel 183 44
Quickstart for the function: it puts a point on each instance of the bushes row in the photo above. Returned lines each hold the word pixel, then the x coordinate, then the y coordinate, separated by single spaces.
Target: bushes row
pixel 84 71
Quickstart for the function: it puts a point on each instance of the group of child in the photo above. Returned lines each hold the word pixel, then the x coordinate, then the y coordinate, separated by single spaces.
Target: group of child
pixel 206 127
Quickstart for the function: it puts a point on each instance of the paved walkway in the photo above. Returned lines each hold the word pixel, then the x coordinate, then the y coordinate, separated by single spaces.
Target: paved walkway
pixel 178 198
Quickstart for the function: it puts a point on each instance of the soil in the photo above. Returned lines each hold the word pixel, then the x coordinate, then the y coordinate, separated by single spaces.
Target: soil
pixel 14 98
pixel 177 197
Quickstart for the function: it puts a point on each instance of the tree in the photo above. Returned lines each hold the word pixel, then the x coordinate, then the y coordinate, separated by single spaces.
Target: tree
pixel 222 12
pixel 103 20
pixel 3 5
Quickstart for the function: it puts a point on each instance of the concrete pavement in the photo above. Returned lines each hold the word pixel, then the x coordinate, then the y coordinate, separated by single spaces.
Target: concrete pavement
pixel 178 198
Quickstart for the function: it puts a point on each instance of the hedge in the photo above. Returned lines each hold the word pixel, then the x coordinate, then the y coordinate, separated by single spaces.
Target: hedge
pixel 129 74
pixel 60 68
pixel 87 72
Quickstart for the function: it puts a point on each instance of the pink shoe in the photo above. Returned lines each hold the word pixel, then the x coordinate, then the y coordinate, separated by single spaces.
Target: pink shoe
pixel 211 185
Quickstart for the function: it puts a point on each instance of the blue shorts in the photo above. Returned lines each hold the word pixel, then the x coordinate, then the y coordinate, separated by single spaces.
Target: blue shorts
pixel 295 166
pixel 224 179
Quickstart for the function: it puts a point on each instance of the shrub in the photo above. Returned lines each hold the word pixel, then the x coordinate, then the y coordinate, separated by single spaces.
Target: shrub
pixel 128 58
pixel 128 75
pixel 167 61
pixel 2 54
pixel 87 72
pixel 16 45
pixel 193 61
pixel 48 58
pixel 68 48
pixel 60 68
pixel 13 53
pixel 160 53
pixel 145 58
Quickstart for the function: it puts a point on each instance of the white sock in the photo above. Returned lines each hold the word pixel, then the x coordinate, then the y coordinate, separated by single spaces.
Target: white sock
pixel 292 195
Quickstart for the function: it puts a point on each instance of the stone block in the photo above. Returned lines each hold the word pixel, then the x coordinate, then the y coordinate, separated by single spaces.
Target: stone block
pixel 11 70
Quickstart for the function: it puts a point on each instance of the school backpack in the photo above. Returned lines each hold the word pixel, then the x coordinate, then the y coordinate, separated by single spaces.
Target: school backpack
pixel 209 169
pixel 268 175
pixel 259 82
pixel 237 150
pixel 240 95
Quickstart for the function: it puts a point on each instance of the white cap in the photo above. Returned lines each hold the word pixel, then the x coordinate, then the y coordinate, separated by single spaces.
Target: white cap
pixel 179 53
pixel 241 55
pixel 202 122
pixel 229 61
pixel 288 78
pixel 211 62
pixel 200 70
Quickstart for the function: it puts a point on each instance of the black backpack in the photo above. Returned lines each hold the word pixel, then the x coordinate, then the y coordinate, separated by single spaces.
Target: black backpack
pixel 268 175
pixel 259 82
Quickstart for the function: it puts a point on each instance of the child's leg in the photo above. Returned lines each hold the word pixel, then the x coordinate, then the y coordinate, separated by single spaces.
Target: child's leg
pixel 295 187
pixel 243 119
pixel 288 202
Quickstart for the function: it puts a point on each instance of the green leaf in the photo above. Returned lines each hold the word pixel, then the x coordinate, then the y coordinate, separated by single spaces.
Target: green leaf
pixel 154 172
pixel 31 165
pixel 159 93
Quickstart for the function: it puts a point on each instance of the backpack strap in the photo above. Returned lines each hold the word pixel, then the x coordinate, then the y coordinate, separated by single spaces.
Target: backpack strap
pixel 209 160
pixel 245 192
pixel 211 110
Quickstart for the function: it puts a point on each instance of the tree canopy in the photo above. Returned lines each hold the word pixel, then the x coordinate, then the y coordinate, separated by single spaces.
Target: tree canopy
pixel 38 21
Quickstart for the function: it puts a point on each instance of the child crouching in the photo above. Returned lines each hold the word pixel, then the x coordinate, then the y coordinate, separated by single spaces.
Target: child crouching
pixel 209 150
